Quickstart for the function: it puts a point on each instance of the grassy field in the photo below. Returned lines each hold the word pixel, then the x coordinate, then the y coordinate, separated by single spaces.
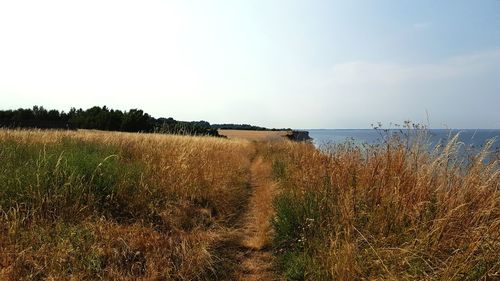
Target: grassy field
pixel 255 135
pixel 95 205
pixel 80 205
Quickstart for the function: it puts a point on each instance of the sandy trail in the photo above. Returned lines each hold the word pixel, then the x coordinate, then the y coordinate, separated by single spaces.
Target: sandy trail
pixel 254 258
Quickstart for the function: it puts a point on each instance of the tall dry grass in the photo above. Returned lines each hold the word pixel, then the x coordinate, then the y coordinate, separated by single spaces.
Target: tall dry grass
pixel 396 211
pixel 98 205
pixel 119 206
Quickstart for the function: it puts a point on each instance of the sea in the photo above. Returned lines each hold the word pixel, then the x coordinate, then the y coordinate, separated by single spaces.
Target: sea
pixel 475 138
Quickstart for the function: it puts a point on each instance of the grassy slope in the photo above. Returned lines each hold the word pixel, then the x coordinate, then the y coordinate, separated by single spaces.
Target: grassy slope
pixel 388 212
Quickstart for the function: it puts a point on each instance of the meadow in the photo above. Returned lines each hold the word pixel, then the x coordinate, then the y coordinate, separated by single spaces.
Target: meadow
pixel 117 206
pixel 80 205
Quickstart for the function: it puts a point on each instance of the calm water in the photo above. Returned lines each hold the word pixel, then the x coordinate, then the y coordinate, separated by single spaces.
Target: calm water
pixel 469 137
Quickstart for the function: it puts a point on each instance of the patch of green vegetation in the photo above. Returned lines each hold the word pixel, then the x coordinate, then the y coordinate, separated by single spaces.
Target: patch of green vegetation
pixel 287 222
pixel 295 265
pixel 64 179
pixel 295 219
pixel 279 169
pixel 296 234
pixel 300 265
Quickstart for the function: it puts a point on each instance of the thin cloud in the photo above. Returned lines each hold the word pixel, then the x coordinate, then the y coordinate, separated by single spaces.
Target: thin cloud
pixel 390 92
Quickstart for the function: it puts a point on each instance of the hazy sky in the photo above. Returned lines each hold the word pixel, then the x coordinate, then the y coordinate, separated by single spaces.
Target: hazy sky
pixel 301 64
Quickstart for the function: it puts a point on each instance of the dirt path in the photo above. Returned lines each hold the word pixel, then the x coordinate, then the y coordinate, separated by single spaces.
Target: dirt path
pixel 254 258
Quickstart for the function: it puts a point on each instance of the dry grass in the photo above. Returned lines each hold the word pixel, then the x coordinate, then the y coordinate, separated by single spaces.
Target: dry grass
pixel 252 254
pixel 152 207
pixel 260 206
pixel 119 206
pixel 255 135
pixel 394 211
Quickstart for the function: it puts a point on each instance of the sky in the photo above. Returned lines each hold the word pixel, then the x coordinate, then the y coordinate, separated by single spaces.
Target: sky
pixel 298 64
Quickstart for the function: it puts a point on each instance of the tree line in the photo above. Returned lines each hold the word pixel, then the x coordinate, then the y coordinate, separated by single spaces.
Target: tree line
pixel 101 118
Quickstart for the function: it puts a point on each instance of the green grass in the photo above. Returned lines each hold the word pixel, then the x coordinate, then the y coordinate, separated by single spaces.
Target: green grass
pixel 278 169
pixel 297 235
pixel 64 180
